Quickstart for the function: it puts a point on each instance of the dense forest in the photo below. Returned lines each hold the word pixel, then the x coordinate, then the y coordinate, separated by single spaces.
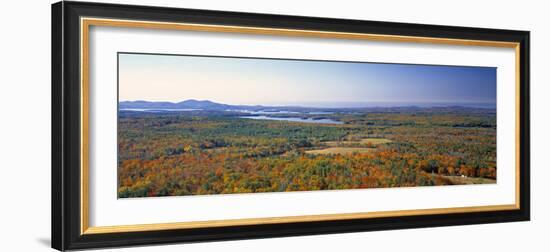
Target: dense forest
pixel 218 152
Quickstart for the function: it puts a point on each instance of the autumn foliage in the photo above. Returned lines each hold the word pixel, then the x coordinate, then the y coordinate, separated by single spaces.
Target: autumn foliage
pixel 192 153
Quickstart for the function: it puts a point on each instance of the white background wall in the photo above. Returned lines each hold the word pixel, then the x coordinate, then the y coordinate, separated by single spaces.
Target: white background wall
pixel 25 125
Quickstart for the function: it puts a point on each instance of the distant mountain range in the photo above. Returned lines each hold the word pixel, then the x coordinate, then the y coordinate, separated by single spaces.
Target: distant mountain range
pixel 193 104
pixel 187 104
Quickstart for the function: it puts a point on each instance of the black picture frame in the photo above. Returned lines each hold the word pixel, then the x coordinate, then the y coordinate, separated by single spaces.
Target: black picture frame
pixel 66 114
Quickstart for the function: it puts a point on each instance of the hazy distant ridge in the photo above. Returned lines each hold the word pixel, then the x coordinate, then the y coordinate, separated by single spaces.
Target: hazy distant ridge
pixel 193 104
pixel 187 104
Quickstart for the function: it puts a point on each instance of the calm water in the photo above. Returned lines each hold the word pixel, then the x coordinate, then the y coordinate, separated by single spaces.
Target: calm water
pixel 275 112
pixel 293 119
pixel 261 112
pixel 157 110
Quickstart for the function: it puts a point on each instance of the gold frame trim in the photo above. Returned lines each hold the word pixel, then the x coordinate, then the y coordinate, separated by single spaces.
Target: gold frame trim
pixel 85 24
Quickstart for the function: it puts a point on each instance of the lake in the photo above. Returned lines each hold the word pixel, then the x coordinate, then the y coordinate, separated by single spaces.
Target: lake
pixel 275 112
pixel 293 119
pixel 157 110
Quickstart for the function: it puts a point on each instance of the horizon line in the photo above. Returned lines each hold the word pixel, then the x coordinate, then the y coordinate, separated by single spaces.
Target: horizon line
pixel 343 104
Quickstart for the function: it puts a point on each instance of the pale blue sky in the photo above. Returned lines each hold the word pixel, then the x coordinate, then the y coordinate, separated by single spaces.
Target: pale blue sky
pixel 250 81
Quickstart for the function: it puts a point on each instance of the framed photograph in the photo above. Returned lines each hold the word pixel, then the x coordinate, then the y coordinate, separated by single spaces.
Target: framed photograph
pixel 181 125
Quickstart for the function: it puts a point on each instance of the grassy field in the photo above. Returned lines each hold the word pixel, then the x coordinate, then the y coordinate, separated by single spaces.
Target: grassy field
pixel 460 180
pixel 375 141
pixel 212 152
pixel 345 147
pixel 340 150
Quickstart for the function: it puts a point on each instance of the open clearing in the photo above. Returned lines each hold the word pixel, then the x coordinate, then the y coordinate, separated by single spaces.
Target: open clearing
pixel 348 147
pixel 375 141
pixel 340 150
pixel 459 180
pixel 364 141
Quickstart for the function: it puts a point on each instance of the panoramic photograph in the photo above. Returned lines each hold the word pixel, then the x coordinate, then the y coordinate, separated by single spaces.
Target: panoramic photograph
pixel 202 125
